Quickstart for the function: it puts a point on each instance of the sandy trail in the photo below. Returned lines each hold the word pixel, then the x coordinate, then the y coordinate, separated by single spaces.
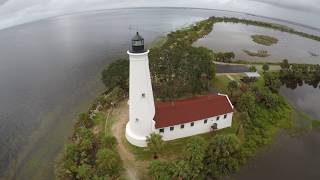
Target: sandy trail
pixel 127 157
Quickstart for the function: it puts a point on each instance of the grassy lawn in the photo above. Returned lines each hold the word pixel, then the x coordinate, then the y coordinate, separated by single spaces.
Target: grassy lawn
pixel 220 83
pixel 237 77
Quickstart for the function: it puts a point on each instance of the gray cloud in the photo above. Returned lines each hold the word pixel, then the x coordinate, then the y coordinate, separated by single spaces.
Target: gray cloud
pixel 299 5
pixel 2 1
pixel 14 12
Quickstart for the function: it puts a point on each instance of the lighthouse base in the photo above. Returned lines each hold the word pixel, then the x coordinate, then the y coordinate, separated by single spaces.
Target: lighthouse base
pixel 134 139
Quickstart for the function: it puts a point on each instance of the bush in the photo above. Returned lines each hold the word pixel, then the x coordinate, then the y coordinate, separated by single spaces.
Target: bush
pixel 108 163
pixel 161 170
pixel 268 99
pixel 247 103
pixel 117 75
pixel 84 121
pixel 107 141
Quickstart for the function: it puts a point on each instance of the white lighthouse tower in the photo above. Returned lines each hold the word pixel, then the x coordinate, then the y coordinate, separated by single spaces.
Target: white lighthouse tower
pixel 141 101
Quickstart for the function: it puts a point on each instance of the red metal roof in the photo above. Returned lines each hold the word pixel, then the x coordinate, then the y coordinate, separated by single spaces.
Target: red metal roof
pixel 189 110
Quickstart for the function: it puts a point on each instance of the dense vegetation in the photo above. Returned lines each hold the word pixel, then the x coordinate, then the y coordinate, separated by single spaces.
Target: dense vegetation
pixel 264 40
pixel 180 70
pixel 293 75
pixel 225 57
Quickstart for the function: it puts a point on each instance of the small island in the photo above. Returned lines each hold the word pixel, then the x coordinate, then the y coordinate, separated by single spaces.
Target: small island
pixel 264 40
pixel 259 53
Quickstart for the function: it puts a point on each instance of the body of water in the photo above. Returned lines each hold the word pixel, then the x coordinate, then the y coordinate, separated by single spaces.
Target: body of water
pixel 50 71
pixel 288 157
pixel 237 37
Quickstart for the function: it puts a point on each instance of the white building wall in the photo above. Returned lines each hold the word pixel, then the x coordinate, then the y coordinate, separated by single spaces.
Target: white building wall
pixel 199 127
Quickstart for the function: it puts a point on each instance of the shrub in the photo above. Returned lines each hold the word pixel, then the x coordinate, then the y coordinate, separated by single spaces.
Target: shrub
pixel 161 170
pixel 108 163
pixel 117 75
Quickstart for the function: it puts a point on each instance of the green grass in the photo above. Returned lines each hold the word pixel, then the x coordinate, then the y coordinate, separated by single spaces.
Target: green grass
pixel 237 77
pixel 220 83
pixel 99 118
pixel 264 40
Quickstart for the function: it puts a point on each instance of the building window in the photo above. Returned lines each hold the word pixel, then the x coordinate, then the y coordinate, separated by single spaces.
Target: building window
pixel 218 117
pixel 171 128
pixel 225 116
pixel 143 95
pixel 192 124
pixel 137 120
pixel 214 126
pixel 182 126
pixel 205 121
pixel 161 130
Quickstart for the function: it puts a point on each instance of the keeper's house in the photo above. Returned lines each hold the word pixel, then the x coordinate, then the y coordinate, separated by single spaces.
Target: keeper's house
pixel 193 116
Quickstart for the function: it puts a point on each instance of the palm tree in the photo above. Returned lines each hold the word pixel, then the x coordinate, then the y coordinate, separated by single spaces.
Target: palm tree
pixel 155 144
pixel 181 170
pixel 243 120
pixel 193 154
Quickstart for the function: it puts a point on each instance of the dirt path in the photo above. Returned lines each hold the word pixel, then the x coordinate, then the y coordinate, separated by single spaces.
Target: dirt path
pixel 127 157
pixel 230 77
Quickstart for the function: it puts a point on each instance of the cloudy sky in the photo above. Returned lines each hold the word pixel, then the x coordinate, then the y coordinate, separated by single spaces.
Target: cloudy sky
pixel 13 12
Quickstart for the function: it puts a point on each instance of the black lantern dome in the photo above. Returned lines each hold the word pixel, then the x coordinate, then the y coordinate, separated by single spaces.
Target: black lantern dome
pixel 137 44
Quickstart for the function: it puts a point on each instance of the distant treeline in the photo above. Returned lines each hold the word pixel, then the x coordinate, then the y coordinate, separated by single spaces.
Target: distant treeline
pixel 266 25
pixel 294 75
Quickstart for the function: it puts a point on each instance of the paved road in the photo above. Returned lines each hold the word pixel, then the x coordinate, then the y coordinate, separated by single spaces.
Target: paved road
pixel 225 68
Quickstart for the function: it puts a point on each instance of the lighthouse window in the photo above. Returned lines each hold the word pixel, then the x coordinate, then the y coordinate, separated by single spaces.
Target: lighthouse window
pixel 161 130
pixel 192 124
pixel 225 116
pixel 143 95
pixel 171 128
pixel 137 119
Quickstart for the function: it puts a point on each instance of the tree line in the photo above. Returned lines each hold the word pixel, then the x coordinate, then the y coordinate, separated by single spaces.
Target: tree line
pixel 294 75
pixel 266 25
